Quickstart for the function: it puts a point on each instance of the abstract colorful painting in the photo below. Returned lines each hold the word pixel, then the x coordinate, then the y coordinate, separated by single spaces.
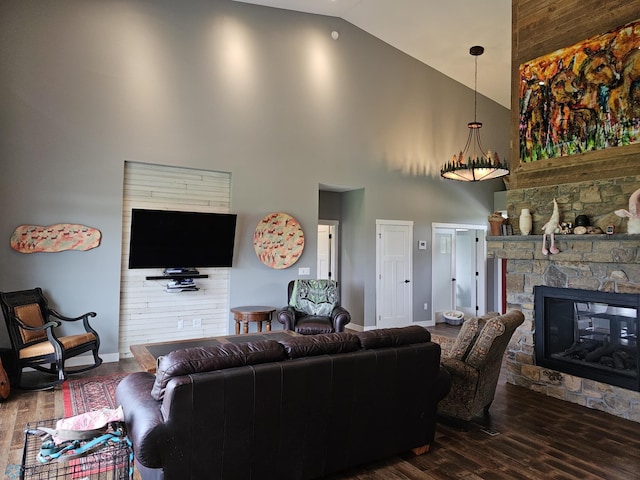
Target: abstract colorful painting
pixel 582 98
pixel 278 240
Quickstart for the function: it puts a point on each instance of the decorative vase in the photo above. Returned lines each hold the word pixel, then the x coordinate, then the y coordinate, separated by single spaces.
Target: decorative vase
pixel 525 222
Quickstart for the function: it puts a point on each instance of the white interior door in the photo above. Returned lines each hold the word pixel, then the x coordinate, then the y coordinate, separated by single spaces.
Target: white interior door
pixel 327 265
pixel 465 291
pixel 458 270
pixel 394 289
pixel 443 271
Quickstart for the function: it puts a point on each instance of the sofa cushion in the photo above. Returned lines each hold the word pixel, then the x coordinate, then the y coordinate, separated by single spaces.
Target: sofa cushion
pixel 393 337
pixel 207 359
pixel 327 343
pixel 315 297
pixel 313 325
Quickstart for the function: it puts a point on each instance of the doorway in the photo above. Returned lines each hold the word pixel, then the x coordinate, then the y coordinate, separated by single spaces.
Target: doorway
pixel 327 266
pixel 394 271
pixel 458 269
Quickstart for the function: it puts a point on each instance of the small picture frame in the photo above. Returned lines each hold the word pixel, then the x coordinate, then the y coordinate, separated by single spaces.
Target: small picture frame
pixel 610 230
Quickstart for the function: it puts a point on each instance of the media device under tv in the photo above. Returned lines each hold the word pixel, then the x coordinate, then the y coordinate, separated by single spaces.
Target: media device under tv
pixel 180 242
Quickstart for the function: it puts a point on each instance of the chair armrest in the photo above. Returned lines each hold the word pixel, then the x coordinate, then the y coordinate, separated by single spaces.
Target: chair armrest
pixel 340 318
pixel 287 317
pixel 458 369
pixel 45 326
pixel 84 318
pixel 48 328
pixel 71 319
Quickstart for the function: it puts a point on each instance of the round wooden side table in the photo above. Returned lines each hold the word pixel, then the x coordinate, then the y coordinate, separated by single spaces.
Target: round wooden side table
pixel 252 313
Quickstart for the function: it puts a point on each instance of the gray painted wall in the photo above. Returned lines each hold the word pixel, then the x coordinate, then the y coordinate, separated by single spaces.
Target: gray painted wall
pixel 263 93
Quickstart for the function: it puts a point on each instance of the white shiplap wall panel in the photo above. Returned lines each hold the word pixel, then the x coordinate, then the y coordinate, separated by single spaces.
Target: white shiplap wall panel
pixel 148 313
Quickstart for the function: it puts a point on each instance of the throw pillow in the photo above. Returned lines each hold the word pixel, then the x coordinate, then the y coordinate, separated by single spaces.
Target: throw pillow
pixel 478 353
pixel 314 297
pixel 468 335
pixel 465 338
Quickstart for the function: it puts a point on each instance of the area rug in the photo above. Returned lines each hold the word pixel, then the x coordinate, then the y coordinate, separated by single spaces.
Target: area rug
pixel 87 394
pixel 80 396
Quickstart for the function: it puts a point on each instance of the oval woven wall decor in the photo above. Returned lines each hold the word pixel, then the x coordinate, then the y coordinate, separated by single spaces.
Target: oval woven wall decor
pixel 54 238
pixel 278 240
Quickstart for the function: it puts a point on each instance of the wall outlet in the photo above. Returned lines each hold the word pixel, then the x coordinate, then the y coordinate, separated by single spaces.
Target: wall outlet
pixel 180 323
pixel 304 271
pixel 197 322
pixel 426 306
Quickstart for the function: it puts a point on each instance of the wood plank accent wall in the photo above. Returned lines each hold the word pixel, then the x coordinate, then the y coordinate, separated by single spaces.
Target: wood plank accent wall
pixel 544 26
pixel 147 312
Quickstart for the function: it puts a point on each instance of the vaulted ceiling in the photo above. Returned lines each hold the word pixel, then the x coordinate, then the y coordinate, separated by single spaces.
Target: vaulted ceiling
pixel 438 33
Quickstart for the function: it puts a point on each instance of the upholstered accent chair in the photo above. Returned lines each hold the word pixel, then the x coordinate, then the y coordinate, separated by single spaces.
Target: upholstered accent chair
pixel 314 308
pixel 32 325
pixel 474 363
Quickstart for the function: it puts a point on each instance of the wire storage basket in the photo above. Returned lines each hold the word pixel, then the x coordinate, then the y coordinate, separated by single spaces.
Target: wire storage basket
pixel 109 459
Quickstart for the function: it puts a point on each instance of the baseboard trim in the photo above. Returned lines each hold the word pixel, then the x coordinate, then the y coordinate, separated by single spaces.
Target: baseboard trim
pixel 88 359
pixel 360 328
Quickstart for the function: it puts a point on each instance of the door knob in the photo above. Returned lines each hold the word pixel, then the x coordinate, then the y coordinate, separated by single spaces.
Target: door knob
pixel 407 281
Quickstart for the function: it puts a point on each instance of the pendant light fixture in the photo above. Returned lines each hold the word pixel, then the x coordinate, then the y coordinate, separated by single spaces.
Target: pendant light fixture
pixel 473 164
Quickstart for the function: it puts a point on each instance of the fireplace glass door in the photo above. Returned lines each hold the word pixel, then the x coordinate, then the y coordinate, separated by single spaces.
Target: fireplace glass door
pixel 588 334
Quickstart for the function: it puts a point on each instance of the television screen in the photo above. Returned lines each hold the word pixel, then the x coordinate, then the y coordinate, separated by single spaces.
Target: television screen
pixel 171 239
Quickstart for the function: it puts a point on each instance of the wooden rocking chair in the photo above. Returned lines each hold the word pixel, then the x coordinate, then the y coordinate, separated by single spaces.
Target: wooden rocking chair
pixel 31 326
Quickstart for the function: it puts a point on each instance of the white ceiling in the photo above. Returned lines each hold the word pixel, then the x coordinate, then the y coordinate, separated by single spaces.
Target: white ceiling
pixel 439 33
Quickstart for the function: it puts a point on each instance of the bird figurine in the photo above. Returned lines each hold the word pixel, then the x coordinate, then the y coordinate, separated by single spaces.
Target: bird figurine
pixel 549 228
pixel 633 213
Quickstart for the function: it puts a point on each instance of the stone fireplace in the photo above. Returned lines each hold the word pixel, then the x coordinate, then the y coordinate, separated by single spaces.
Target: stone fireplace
pixel 592 262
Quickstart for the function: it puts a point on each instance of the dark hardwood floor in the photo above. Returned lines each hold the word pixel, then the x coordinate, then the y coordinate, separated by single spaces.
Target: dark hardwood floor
pixel 535 437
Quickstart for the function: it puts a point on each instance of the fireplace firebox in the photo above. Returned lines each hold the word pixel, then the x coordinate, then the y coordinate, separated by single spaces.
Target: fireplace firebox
pixel 588 334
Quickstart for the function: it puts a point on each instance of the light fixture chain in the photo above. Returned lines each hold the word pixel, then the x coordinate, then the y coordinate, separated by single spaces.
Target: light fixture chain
pixel 475 94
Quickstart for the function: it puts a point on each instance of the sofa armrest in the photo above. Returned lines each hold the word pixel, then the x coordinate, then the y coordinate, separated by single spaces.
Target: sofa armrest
pixel 443 383
pixel 143 417
pixel 340 318
pixel 287 317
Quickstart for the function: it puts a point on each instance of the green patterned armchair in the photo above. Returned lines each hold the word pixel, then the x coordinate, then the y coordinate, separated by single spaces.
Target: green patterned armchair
pixel 314 308
pixel 474 363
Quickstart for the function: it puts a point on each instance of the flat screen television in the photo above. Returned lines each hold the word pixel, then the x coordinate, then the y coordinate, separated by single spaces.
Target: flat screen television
pixel 173 239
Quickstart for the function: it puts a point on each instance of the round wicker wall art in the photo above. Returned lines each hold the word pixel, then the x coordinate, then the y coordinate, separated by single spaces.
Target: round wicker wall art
pixel 278 240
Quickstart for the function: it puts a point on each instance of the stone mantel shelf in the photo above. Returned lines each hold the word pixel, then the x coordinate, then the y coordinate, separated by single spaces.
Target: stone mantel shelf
pixel 590 237
pixel 621 248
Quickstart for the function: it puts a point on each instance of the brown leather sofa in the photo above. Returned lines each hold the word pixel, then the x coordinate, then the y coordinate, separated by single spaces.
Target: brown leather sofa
pixel 297 408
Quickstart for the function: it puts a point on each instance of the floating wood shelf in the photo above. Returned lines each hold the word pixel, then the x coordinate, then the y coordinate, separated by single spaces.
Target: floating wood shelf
pixel 177 276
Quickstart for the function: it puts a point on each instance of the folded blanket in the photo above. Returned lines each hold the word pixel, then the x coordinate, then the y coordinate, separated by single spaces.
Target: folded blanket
pixel 315 297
